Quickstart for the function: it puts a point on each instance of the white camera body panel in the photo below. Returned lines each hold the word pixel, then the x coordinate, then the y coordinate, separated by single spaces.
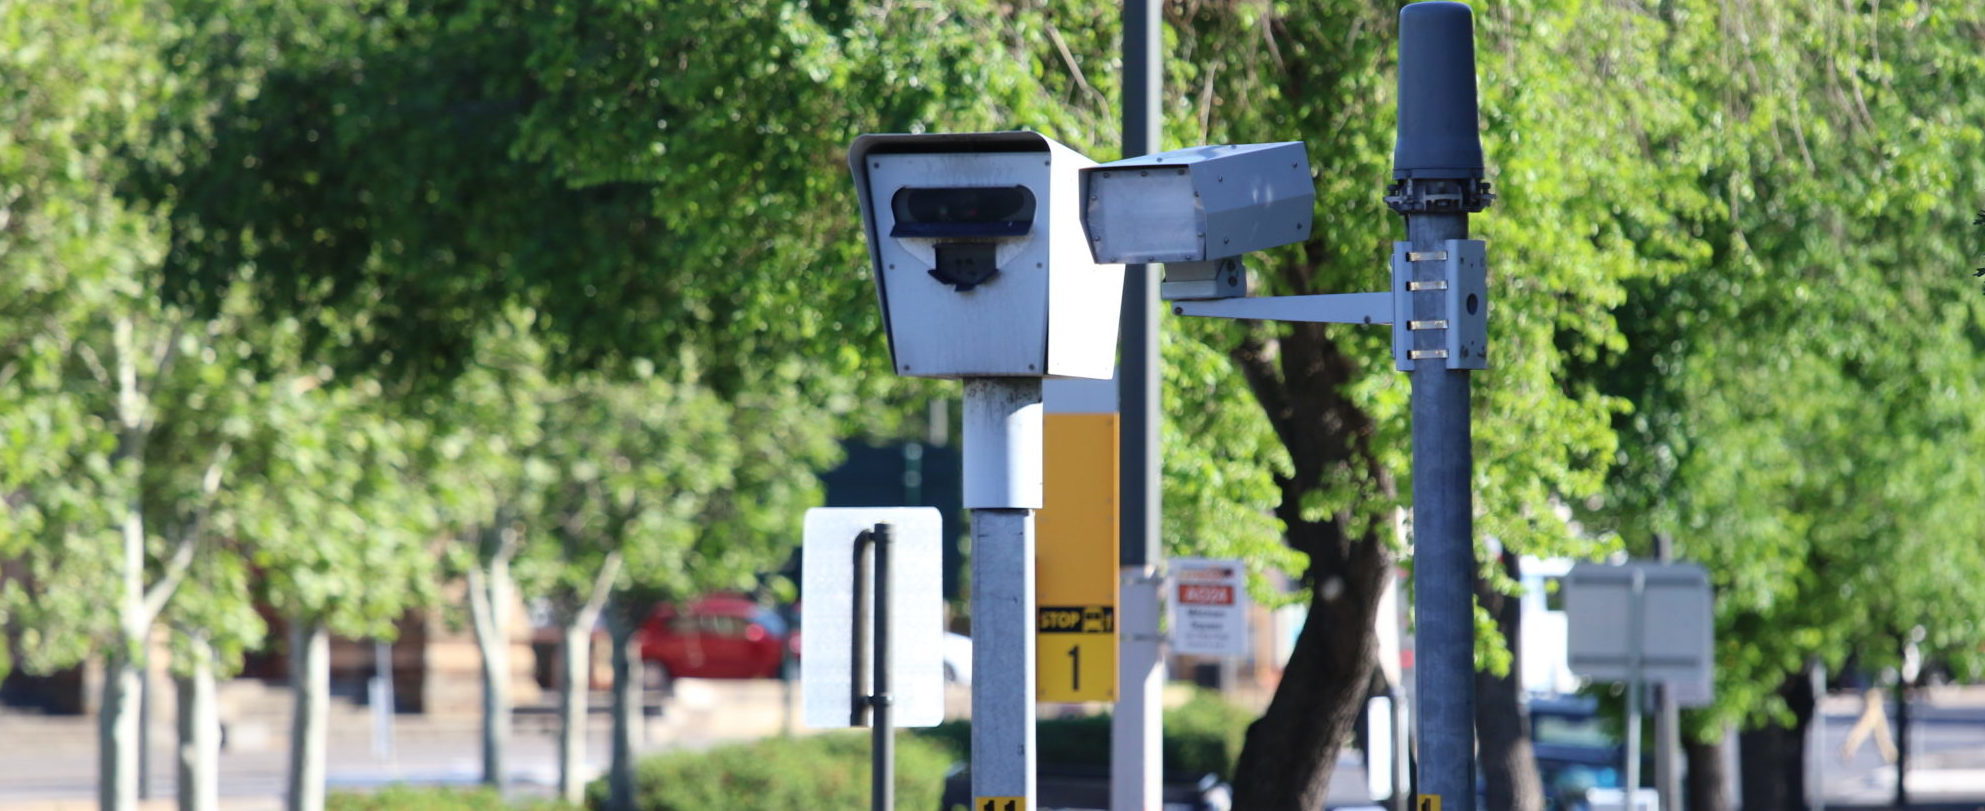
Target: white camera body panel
pixel 1047 310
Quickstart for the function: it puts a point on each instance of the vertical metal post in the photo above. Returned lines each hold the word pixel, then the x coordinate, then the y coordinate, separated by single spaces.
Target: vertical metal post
pixel 882 772
pixel 1667 716
pixel 1443 556
pixel 1437 173
pixel 1815 745
pixel 1636 635
pixel 859 651
pixel 1402 701
pixel 381 698
pixel 1002 429
pixel 1901 726
pixel 1135 726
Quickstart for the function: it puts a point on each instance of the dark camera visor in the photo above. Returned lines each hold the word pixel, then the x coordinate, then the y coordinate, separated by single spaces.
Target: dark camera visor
pixel 997 211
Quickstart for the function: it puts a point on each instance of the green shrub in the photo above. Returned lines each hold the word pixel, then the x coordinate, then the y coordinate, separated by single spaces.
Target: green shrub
pixel 783 774
pixel 1203 735
pixel 412 798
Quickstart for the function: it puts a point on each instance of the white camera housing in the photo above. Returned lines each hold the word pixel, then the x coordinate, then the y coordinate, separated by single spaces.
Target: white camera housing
pixel 1192 208
pixel 979 259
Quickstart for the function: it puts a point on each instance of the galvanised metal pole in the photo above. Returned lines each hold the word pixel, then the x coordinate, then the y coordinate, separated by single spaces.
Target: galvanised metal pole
pixel 1135 726
pixel 882 747
pixel 1636 640
pixel 1002 428
pixel 1437 169
pixel 1668 718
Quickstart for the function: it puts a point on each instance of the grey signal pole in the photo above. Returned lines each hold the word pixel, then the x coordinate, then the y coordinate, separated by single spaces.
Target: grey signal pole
pixel 1135 726
pixel 1437 172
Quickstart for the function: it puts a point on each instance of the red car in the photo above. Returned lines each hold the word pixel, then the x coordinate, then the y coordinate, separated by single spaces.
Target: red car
pixel 722 636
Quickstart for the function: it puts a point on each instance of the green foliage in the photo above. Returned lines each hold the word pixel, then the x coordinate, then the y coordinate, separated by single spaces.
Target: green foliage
pixel 783 774
pixel 336 517
pixel 1220 463
pixel 1805 386
pixel 690 491
pixel 76 76
pixel 1202 736
pixel 415 798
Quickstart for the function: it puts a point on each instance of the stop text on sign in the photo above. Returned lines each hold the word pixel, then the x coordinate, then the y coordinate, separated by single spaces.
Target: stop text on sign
pixel 1196 594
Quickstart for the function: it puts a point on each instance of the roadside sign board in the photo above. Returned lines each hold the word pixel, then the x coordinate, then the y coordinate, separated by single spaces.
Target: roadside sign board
pixel 1209 603
pixel 827 605
pixel 1674 618
pixel 1075 563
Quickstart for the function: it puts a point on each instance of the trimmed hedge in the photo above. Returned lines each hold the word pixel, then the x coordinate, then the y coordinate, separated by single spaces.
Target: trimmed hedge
pixel 782 774
pixel 426 798
pixel 831 771
pixel 1203 735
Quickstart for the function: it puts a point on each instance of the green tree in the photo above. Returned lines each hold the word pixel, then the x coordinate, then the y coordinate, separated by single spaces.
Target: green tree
pixel 484 432
pixel 1800 387
pixel 663 487
pixel 1563 233
pixel 342 533
pixel 122 506
pixel 213 620
pixel 109 478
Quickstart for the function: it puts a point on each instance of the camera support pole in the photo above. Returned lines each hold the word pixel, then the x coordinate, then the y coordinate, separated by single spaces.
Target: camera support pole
pixel 1002 432
pixel 1437 169
pixel 1438 308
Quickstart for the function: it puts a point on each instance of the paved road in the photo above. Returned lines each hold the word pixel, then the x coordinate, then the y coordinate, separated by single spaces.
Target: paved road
pixel 1947 756
pixel 65 770
pixel 50 764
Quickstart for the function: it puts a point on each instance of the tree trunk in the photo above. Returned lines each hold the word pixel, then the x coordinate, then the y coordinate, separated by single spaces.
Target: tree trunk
pixel 310 686
pixel 118 718
pixel 1773 759
pixel 628 684
pixel 199 732
pixel 489 608
pixel 1708 779
pixel 1298 379
pixel 1502 728
pixel 117 732
pixel 1290 751
pixel 576 654
pixel 576 658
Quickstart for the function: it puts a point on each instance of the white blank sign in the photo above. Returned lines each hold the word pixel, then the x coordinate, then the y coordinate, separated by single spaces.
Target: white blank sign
pixel 1675 623
pixel 827 602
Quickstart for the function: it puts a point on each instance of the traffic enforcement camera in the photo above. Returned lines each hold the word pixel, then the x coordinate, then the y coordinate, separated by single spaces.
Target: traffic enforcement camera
pixel 977 246
pixel 1199 210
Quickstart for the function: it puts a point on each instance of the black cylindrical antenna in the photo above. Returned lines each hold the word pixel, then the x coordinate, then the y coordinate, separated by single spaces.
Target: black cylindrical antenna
pixel 1438 133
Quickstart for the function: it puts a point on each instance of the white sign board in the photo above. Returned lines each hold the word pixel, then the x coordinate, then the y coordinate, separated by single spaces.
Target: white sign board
pixel 1209 603
pixel 1674 617
pixel 916 620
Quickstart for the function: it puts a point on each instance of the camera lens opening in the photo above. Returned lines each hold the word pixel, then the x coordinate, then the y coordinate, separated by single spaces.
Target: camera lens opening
pixel 963 211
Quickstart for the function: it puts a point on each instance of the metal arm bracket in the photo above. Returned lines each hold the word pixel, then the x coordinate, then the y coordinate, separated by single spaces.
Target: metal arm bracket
pixel 1334 308
pixel 1443 290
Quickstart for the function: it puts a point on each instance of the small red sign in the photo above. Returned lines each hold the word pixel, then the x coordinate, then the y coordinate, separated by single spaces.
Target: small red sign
pixel 1195 594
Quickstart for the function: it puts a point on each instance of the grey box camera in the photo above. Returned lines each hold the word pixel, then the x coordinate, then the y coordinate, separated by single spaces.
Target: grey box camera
pixel 1197 210
pixel 977 251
